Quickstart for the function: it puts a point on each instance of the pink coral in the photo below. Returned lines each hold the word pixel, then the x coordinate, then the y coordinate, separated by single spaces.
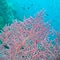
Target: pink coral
pixel 29 40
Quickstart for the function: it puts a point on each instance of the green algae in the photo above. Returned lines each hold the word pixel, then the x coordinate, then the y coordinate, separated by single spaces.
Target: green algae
pixel 1 42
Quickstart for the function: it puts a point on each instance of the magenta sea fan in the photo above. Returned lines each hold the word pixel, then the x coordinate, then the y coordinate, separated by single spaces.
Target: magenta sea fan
pixel 29 40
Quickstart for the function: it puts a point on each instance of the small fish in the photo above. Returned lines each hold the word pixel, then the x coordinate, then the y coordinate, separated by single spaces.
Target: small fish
pixel 6 46
pixel 22 47
pixel 28 8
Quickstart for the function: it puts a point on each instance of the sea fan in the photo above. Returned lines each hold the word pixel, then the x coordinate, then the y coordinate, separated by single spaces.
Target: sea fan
pixel 29 40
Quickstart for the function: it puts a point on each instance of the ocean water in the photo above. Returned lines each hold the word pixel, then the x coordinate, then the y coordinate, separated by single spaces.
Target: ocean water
pixel 32 7
pixel 18 36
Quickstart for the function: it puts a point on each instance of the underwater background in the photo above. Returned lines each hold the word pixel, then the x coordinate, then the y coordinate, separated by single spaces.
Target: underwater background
pixel 14 34
pixel 17 9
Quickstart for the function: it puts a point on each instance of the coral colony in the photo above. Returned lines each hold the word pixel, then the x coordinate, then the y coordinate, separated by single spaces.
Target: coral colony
pixel 29 40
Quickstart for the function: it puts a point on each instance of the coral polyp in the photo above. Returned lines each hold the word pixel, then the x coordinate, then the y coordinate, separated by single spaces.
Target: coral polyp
pixel 29 40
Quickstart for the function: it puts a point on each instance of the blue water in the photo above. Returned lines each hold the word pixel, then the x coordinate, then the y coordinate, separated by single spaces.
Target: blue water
pixel 31 7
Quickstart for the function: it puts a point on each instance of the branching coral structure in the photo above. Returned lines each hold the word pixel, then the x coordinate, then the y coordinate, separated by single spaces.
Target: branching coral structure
pixel 29 40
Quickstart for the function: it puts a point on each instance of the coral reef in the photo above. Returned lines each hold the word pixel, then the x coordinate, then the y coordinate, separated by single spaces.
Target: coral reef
pixel 32 39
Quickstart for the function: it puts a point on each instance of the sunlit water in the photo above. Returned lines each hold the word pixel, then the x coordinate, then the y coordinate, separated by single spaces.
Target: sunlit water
pixel 31 7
